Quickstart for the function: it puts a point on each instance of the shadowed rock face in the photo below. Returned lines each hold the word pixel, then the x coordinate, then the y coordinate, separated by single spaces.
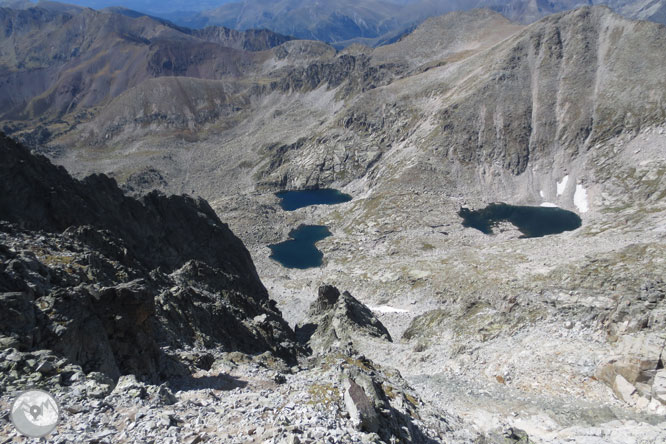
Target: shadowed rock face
pixel 159 231
pixel 105 280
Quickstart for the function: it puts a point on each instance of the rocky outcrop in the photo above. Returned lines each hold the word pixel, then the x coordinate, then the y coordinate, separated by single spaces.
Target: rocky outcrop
pixel 378 401
pixel 361 410
pixel 117 285
pixel 354 71
pixel 334 320
pixel 635 326
pixel 635 371
pixel 248 40
pixel 157 231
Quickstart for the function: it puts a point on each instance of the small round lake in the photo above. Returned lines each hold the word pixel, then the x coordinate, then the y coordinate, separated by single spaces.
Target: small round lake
pixel 531 221
pixel 293 200
pixel 300 250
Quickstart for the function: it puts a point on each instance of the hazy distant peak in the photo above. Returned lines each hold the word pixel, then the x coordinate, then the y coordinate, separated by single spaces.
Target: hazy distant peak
pixel 439 39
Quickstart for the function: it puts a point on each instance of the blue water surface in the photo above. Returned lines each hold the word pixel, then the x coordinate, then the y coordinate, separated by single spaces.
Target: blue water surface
pixel 293 200
pixel 300 250
pixel 531 221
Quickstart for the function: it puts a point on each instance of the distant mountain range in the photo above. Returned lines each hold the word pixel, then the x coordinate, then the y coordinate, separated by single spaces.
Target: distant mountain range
pixel 376 22
pixel 370 22
pixel 56 59
pixel 478 82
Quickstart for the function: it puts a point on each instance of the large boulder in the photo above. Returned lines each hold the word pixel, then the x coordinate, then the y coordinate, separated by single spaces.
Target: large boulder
pixel 17 320
pixel 360 408
pixel 636 358
pixel 633 368
pixel 105 331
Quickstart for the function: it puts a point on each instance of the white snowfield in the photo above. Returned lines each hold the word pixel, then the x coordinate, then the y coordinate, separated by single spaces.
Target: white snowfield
pixel 562 185
pixel 580 199
pixel 387 309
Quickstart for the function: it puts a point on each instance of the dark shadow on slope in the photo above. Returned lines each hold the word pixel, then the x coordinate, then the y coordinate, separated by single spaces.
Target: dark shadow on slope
pixel 223 382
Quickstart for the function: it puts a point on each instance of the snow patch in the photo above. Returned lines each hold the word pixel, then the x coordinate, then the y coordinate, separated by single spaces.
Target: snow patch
pixel 541 193
pixel 561 186
pixel 580 199
pixel 548 205
pixel 387 309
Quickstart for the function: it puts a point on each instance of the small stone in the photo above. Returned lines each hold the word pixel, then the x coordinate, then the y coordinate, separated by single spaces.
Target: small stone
pixel 165 395
pixel 129 385
pixel 198 439
pixel 14 357
pixel 76 377
pixel 291 439
pixel 642 403
pixel 75 409
pixel 46 368
pixel 623 389
pixel 659 386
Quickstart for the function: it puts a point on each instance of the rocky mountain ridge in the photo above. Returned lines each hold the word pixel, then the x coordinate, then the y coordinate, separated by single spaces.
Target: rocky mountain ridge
pixel 103 261
pixel 376 93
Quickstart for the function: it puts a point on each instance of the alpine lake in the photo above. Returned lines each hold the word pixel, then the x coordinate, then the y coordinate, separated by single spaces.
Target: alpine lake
pixel 300 251
pixel 530 221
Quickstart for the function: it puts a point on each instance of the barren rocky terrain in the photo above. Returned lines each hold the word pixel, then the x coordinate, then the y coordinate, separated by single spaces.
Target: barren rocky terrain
pixel 493 337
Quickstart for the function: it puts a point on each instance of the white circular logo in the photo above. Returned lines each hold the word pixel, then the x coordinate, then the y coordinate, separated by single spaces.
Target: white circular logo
pixel 35 413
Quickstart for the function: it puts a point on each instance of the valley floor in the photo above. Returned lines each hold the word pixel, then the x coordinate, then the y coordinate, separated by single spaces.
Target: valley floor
pixel 504 331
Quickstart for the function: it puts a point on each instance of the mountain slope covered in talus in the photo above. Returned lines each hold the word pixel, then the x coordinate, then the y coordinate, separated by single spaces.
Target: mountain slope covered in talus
pixel 560 336
pixel 496 105
pixel 114 304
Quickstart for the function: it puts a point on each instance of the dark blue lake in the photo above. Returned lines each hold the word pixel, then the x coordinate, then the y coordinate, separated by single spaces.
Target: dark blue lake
pixel 293 200
pixel 531 221
pixel 300 250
